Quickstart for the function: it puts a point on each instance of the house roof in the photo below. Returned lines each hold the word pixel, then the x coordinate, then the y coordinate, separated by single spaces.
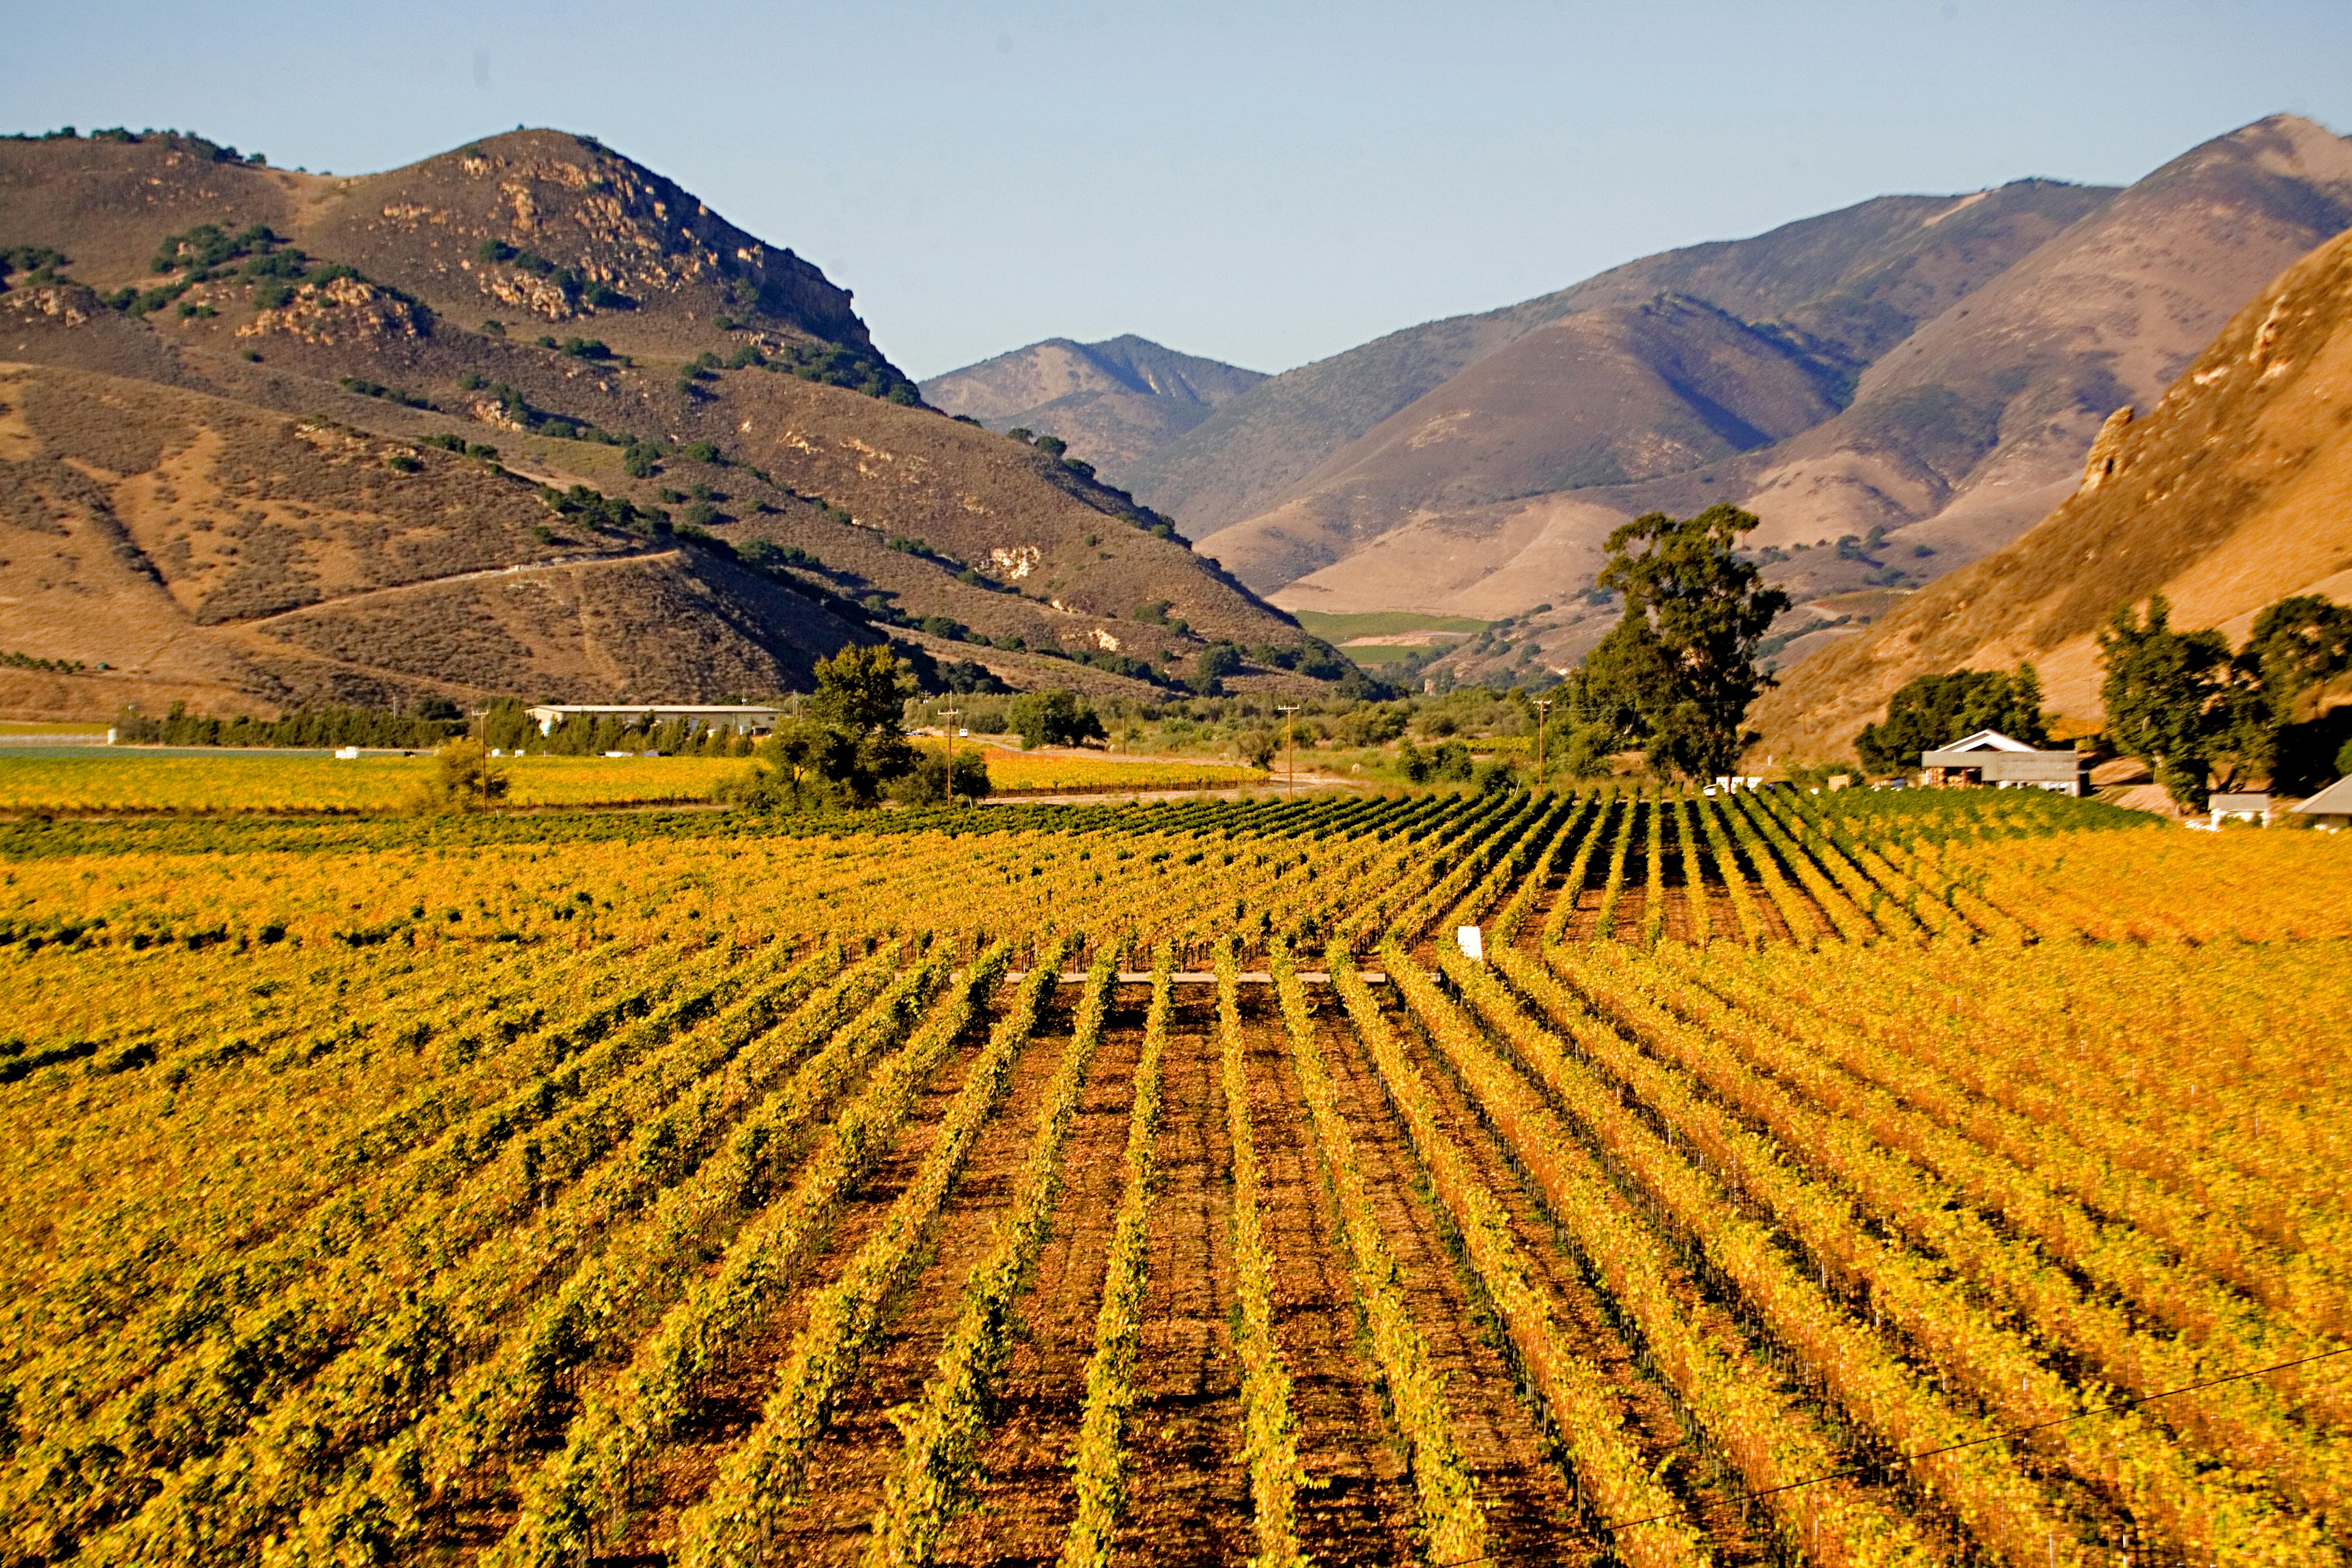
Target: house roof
pixel 2336 800
pixel 1986 741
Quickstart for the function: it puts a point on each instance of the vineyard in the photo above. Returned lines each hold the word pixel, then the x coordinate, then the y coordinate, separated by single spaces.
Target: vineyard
pixel 1845 1180
pixel 131 780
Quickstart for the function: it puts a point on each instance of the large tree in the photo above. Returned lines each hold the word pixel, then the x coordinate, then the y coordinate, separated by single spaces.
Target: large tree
pixel 851 743
pixel 1677 674
pixel 2172 698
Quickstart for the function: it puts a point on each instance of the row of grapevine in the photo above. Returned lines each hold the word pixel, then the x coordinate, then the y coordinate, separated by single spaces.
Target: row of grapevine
pixel 589 1484
pixel 491 1406
pixel 1565 836
pixel 1763 1434
pixel 1735 882
pixel 938 1471
pixel 1612 1474
pixel 1697 907
pixel 1269 1434
pixel 1612 887
pixel 1100 1461
pixel 1453 1525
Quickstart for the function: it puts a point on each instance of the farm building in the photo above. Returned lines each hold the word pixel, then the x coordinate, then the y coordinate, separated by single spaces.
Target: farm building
pixel 2254 807
pixel 1989 757
pixel 2331 809
pixel 757 721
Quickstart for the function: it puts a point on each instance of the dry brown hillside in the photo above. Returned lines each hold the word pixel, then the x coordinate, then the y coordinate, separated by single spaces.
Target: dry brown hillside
pixel 1601 398
pixel 2234 491
pixel 1851 282
pixel 539 295
pixel 219 552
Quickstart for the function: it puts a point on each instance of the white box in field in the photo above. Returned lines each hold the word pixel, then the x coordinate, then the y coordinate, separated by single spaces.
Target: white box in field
pixel 1474 946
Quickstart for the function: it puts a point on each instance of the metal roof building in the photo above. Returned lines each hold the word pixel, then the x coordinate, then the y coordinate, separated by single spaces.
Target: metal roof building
pixel 1989 757
pixel 2331 809
pixel 756 719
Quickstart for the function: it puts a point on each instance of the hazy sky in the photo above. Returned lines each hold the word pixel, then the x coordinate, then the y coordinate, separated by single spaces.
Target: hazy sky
pixel 1266 182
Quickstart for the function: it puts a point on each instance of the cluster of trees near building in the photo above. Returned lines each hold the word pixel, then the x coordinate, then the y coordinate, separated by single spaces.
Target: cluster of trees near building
pixel 2201 714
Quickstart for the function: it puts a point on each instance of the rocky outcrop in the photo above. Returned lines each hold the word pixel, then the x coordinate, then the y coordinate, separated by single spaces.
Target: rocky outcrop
pixel 2100 464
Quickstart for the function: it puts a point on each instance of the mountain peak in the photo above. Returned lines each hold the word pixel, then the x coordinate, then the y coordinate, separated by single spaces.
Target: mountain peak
pixel 1112 401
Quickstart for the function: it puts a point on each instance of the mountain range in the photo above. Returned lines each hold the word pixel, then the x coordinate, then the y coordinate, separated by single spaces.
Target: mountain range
pixel 1896 389
pixel 523 417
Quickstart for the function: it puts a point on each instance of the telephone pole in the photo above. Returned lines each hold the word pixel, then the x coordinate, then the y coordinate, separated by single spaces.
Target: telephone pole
pixel 1289 756
pixel 1543 712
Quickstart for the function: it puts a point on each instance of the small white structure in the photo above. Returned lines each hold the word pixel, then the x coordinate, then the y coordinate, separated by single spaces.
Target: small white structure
pixel 2330 810
pixel 347 754
pixel 2255 807
pixel 756 719
pixel 1989 757
pixel 1473 944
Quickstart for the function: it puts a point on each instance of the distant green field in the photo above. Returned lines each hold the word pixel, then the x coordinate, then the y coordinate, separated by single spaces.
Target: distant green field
pixel 1336 629
pixel 1383 653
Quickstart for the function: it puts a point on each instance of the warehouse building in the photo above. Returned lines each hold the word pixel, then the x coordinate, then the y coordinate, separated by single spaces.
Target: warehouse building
pixel 1990 758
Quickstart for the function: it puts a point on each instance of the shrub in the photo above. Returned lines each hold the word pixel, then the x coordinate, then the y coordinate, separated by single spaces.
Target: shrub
pixel 928 784
pixel 638 462
pixel 464 781
pixel 1216 662
pixel 401 463
pixel 701 452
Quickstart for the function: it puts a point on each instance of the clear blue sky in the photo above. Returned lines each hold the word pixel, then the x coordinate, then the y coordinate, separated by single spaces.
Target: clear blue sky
pixel 1265 182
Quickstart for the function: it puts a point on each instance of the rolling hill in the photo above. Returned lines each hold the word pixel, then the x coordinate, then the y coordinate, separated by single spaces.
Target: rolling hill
pixel 1114 402
pixel 636 389
pixel 2234 491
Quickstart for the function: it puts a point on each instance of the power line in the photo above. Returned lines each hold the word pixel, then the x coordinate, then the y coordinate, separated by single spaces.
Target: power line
pixel 1612 1527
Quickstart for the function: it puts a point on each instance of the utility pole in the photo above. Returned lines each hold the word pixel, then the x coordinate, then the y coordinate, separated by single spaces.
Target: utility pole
pixel 1543 712
pixel 1289 756
pixel 947 733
